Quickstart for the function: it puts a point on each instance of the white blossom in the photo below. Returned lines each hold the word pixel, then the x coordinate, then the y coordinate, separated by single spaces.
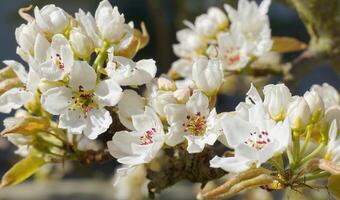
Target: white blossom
pixel 193 122
pixel 110 23
pixel 328 93
pixel 252 23
pixel 276 100
pixel 143 144
pixel 52 61
pixel 81 103
pixel 190 43
pixel 52 19
pixel 127 72
pixel 255 140
pixel 298 113
pixel 315 104
pixel 81 44
pixel 25 36
pixel 207 75
pixel 232 50
pixel 333 147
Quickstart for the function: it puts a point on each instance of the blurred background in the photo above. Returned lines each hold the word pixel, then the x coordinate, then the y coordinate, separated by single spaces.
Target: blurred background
pixel 162 18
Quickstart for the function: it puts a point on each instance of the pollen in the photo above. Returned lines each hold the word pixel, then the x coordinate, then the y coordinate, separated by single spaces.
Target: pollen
pixel 195 125
pixel 59 61
pixel 258 140
pixel 84 100
pixel 147 138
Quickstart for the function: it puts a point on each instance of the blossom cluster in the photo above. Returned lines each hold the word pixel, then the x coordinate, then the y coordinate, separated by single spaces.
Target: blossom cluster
pixel 235 45
pixel 81 80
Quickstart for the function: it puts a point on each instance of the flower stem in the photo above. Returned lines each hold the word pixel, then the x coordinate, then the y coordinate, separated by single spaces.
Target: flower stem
pixel 308 136
pixel 101 57
pixel 312 154
pixel 296 147
pixel 316 176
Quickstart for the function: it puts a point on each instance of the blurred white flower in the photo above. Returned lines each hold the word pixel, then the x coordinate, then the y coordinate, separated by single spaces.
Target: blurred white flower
pixel 193 122
pixel 190 43
pixel 81 104
pixel 315 104
pixel 333 113
pixel 182 67
pixel 143 144
pixel 207 75
pixel 130 104
pixel 52 19
pixel 298 113
pixel 126 72
pixel 81 44
pixel 255 140
pixel 219 16
pixel 232 50
pixel 276 100
pixel 52 61
pixel 252 23
pixel 328 93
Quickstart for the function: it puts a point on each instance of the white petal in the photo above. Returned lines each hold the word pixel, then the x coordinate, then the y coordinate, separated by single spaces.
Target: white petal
pixel 246 152
pixel 175 134
pixel 281 133
pixel 230 164
pixel 50 71
pixel 236 130
pixel 108 92
pixel 147 121
pixel 82 74
pixel 41 47
pixel 14 99
pixel 253 95
pixel 149 66
pixel 18 68
pixel 130 104
pixel 98 121
pixel 73 121
pixel 120 145
pixel 122 172
pixel 57 100
pixel 198 102
pixel 332 133
pixel 175 113
pixel 267 152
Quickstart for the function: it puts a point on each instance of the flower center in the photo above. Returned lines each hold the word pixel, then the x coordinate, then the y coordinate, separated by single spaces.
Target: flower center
pixel 84 100
pixel 147 138
pixel 232 56
pixel 258 140
pixel 59 61
pixel 195 125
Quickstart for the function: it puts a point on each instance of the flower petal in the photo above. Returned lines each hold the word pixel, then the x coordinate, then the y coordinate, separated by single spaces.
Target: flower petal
pixel 73 121
pixel 230 164
pixel 14 99
pixel 18 68
pixel 82 74
pixel 57 100
pixel 198 102
pixel 97 122
pixel 108 92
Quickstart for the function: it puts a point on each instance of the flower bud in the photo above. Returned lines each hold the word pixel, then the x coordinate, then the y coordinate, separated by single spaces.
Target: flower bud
pixel 315 104
pixel 25 36
pixel 182 95
pixel 207 75
pixel 81 44
pixel 166 84
pixel 298 113
pixel 110 22
pixel 51 19
pixel 276 100
pixel 333 113
pixel 328 93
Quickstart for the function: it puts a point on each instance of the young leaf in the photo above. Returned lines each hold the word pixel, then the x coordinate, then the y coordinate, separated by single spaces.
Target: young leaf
pixel 22 170
pixel 27 125
pixel 333 185
pixel 287 44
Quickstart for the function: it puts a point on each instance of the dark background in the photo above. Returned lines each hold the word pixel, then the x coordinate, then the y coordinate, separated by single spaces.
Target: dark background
pixel 162 18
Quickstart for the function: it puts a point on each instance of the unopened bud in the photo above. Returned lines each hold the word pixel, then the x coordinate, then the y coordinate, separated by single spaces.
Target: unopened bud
pixel 166 84
pixel 182 95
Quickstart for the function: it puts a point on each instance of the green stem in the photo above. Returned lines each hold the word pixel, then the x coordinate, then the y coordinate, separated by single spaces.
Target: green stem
pixel 311 155
pixel 296 147
pixel 316 176
pixel 308 136
pixel 101 57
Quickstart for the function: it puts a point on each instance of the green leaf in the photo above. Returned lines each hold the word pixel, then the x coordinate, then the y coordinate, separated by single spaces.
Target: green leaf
pixel 22 170
pixel 287 44
pixel 334 185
